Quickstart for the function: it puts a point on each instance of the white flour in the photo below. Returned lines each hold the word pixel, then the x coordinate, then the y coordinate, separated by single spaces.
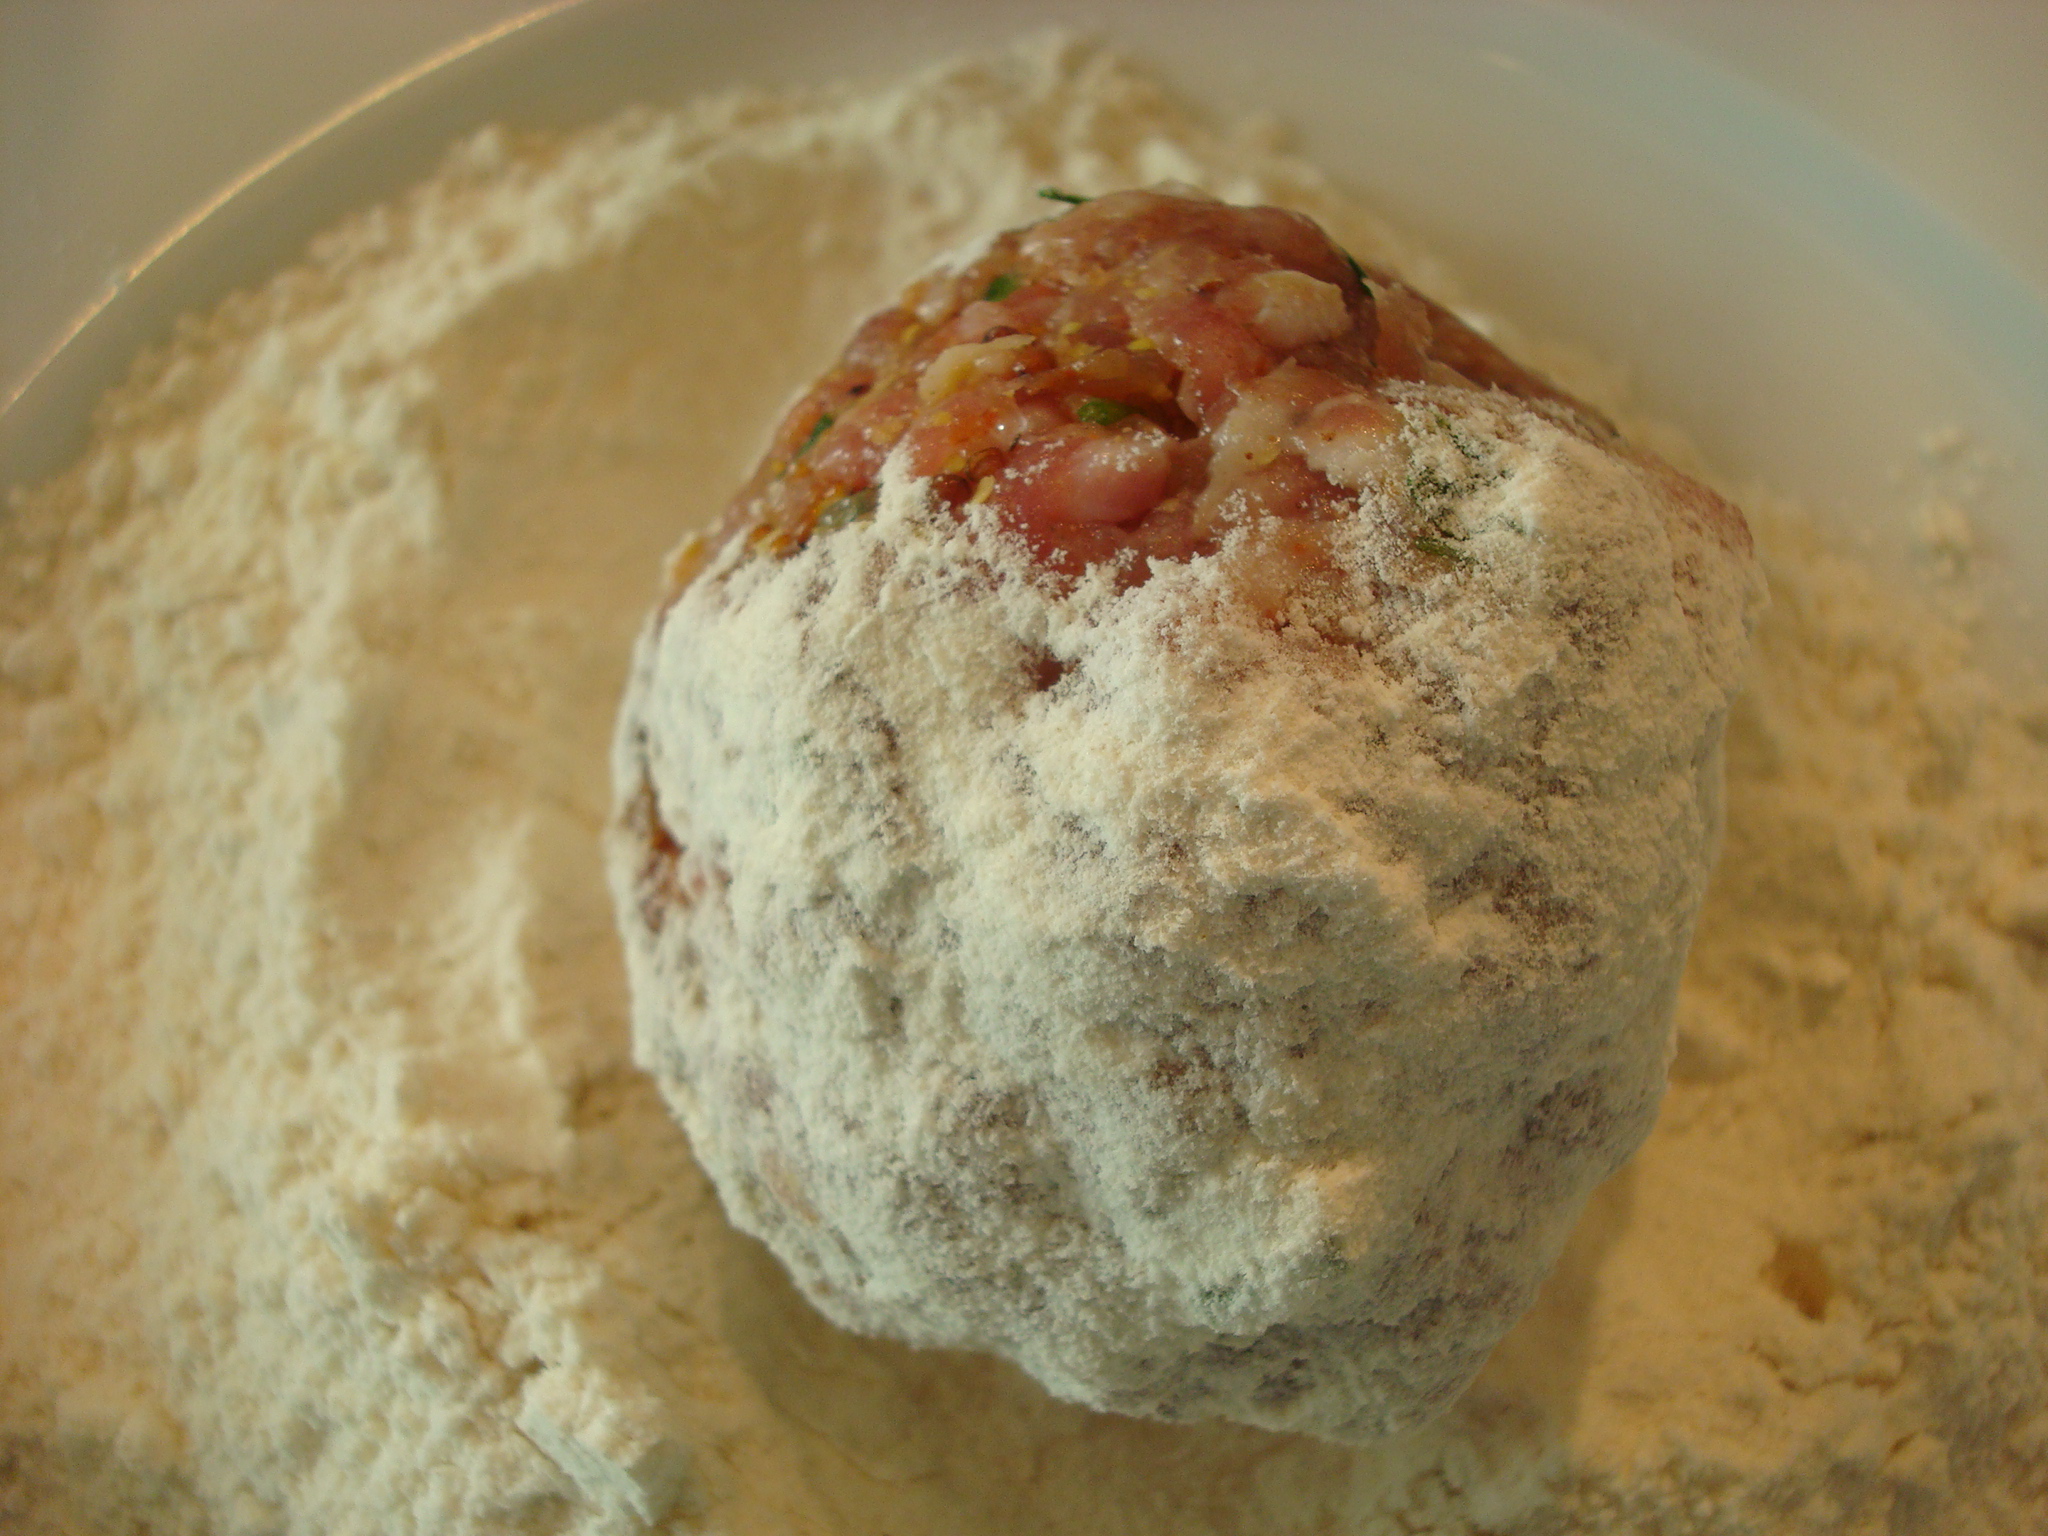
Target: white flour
pixel 329 1200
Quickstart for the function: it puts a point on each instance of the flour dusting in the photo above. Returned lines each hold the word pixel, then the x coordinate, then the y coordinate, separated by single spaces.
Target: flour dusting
pixel 330 1199
pixel 1216 992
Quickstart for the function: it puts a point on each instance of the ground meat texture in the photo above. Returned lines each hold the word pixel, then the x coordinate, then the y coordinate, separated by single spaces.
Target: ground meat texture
pixel 1213 983
pixel 1128 381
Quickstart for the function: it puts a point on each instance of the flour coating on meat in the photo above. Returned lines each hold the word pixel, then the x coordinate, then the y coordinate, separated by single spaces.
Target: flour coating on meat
pixel 1219 1005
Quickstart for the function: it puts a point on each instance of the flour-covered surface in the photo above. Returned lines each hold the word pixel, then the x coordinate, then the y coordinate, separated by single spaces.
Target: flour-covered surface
pixel 1216 978
pixel 330 1200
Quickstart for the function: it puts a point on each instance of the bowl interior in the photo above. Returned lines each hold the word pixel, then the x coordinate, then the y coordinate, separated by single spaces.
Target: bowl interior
pixel 1809 322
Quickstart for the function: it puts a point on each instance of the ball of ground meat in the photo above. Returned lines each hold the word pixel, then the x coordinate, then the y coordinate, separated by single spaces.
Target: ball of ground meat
pixel 1159 835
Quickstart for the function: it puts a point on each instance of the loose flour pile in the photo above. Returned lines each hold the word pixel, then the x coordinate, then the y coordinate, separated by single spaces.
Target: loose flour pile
pixel 329 1198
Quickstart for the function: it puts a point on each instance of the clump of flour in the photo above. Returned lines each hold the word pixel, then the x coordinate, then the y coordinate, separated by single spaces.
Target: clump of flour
pixel 331 1199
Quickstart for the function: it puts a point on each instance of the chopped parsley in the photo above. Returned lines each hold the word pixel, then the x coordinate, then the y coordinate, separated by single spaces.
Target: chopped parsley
pixel 1458 439
pixel 818 429
pixel 1438 491
pixel 1099 412
pixel 1443 549
pixel 850 508
pixel 1358 272
pixel 1001 286
pixel 1057 196
pixel 1429 490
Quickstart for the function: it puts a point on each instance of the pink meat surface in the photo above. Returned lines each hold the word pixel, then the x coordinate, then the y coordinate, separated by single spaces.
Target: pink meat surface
pixel 1128 380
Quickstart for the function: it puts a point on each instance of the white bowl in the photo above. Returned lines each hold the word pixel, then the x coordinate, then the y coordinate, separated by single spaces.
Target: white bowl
pixel 1804 317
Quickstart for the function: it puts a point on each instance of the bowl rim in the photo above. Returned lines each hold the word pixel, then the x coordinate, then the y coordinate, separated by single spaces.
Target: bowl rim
pixel 261 221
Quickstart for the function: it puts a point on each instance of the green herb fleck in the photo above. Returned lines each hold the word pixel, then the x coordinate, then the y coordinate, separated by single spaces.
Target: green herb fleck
pixel 1057 196
pixel 1001 286
pixel 1358 272
pixel 849 509
pixel 1427 488
pixel 1217 1298
pixel 1458 439
pixel 1099 412
pixel 1443 549
pixel 818 429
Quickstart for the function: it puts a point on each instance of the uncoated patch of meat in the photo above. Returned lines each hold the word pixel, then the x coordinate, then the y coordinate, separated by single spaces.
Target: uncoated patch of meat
pixel 1126 382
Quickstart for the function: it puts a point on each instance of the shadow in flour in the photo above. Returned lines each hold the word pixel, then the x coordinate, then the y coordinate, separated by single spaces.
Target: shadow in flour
pixel 1540 1367
pixel 896 1437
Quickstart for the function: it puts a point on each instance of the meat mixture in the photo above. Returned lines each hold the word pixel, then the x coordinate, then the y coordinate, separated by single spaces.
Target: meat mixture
pixel 1128 382
pixel 1158 836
